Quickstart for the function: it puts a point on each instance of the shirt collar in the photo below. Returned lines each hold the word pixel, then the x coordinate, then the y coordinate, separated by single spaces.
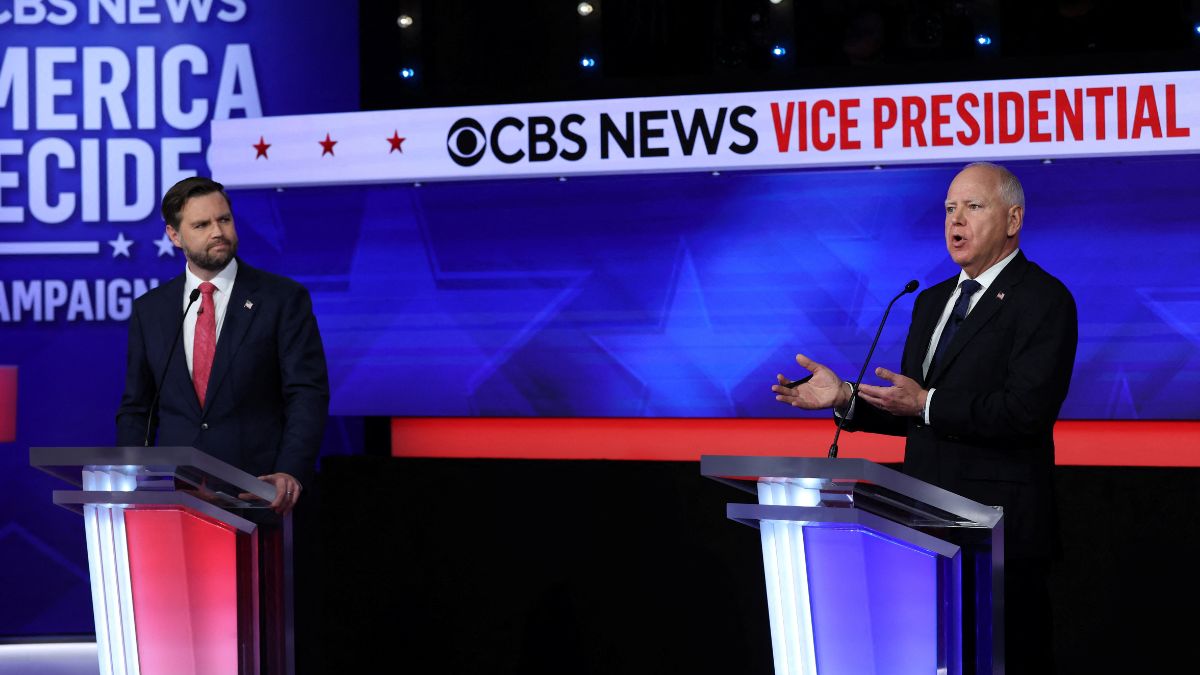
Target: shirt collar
pixel 223 281
pixel 989 275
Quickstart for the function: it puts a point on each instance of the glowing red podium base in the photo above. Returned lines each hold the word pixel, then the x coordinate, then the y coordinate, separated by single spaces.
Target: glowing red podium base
pixel 190 575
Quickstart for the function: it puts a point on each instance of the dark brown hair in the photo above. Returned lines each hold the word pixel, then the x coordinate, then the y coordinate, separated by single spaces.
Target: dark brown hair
pixel 181 192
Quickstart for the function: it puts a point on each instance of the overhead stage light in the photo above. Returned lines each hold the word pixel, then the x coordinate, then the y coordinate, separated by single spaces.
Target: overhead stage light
pixel 407 73
pixel 983 40
pixel 779 51
pixel 587 62
pixel 404 21
pixel 585 8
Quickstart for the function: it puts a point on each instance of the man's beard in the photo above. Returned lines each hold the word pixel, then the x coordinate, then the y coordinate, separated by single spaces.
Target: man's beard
pixel 213 262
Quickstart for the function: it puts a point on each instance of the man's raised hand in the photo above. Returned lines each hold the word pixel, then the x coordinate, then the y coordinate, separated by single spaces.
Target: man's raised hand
pixel 824 390
pixel 905 397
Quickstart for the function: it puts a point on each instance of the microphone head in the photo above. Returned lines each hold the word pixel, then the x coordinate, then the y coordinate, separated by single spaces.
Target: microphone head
pixel 196 293
pixel 911 286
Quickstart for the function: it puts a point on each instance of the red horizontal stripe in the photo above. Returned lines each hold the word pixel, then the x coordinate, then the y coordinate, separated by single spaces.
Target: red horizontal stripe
pixel 1127 443
pixel 680 439
pixel 1103 443
pixel 8 404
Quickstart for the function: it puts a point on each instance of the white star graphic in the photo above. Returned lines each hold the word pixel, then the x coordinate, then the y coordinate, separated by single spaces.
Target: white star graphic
pixel 120 245
pixel 165 247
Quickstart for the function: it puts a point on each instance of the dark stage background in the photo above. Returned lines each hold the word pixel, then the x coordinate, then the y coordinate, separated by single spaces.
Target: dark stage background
pixel 515 566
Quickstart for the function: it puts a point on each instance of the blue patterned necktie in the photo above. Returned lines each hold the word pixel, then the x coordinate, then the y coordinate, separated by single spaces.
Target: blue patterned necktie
pixel 967 288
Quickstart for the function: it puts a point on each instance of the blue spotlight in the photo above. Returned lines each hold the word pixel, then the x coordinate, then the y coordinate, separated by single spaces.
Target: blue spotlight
pixel 779 51
pixel 587 62
pixel 1196 28
pixel 407 73
pixel 983 40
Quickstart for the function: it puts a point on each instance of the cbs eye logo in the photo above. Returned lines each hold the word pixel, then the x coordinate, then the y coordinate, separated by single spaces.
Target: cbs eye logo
pixel 466 142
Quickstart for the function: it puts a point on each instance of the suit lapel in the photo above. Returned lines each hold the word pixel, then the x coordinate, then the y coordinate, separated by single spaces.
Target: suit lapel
pixel 983 312
pixel 177 379
pixel 239 315
pixel 924 325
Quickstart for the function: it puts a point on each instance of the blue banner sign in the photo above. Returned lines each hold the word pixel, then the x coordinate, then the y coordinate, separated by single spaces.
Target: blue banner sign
pixel 103 105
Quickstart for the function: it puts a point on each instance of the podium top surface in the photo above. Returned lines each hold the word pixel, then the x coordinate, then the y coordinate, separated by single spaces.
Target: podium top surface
pixel 207 474
pixel 856 483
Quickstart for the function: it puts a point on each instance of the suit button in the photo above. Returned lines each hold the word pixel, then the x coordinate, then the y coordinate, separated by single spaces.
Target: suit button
pixel 204 426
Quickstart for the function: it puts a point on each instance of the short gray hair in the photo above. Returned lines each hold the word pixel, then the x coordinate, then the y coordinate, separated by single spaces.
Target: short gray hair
pixel 1010 186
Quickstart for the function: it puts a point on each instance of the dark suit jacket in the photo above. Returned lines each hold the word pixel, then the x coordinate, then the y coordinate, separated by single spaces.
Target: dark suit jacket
pixel 999 388
pixel 268 393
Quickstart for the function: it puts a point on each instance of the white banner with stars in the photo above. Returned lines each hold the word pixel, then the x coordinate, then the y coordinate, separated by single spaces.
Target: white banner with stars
pixel 1139 114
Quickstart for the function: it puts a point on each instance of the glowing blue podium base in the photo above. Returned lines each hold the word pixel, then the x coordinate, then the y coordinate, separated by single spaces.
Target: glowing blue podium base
pixel 869 571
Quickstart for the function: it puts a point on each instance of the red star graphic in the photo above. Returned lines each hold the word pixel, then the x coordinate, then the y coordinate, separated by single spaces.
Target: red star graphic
pixel 327 146
pixel 261 147
pixel 396 140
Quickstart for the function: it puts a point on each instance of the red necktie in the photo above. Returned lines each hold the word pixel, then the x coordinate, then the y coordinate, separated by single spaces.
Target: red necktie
pixel 205 341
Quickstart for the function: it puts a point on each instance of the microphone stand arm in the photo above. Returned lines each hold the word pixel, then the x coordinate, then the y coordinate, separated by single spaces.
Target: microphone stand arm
pixel 833 447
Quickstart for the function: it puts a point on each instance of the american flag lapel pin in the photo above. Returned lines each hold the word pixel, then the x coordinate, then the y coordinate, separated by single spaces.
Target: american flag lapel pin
pixel 999 296
pixel 248 305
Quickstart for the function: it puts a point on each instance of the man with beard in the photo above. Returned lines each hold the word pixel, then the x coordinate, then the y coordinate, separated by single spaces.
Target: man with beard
pixel 249 384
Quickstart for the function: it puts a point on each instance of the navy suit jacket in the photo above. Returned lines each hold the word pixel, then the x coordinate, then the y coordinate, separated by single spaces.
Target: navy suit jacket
pixel 1000 386
pixel 268 393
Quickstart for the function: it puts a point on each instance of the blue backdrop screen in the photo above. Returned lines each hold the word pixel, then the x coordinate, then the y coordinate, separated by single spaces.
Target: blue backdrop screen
pixel 683 295
pixel 102 106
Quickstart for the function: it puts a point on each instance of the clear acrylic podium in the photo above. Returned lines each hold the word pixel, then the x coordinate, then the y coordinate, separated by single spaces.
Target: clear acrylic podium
pixel 869 571
pixel 190 572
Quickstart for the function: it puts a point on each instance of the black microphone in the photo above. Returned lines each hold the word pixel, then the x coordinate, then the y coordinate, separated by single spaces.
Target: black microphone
pixel 908 288
pixel 158 392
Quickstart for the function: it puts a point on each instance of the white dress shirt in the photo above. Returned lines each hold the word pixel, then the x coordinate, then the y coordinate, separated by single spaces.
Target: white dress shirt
pixel 985 279
pixel 224 283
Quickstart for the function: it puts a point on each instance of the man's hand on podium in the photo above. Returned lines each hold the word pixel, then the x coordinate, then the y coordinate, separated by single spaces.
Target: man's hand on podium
pixel 287 492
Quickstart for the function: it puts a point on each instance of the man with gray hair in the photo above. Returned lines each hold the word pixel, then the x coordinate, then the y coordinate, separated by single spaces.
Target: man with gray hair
pixel 985 370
